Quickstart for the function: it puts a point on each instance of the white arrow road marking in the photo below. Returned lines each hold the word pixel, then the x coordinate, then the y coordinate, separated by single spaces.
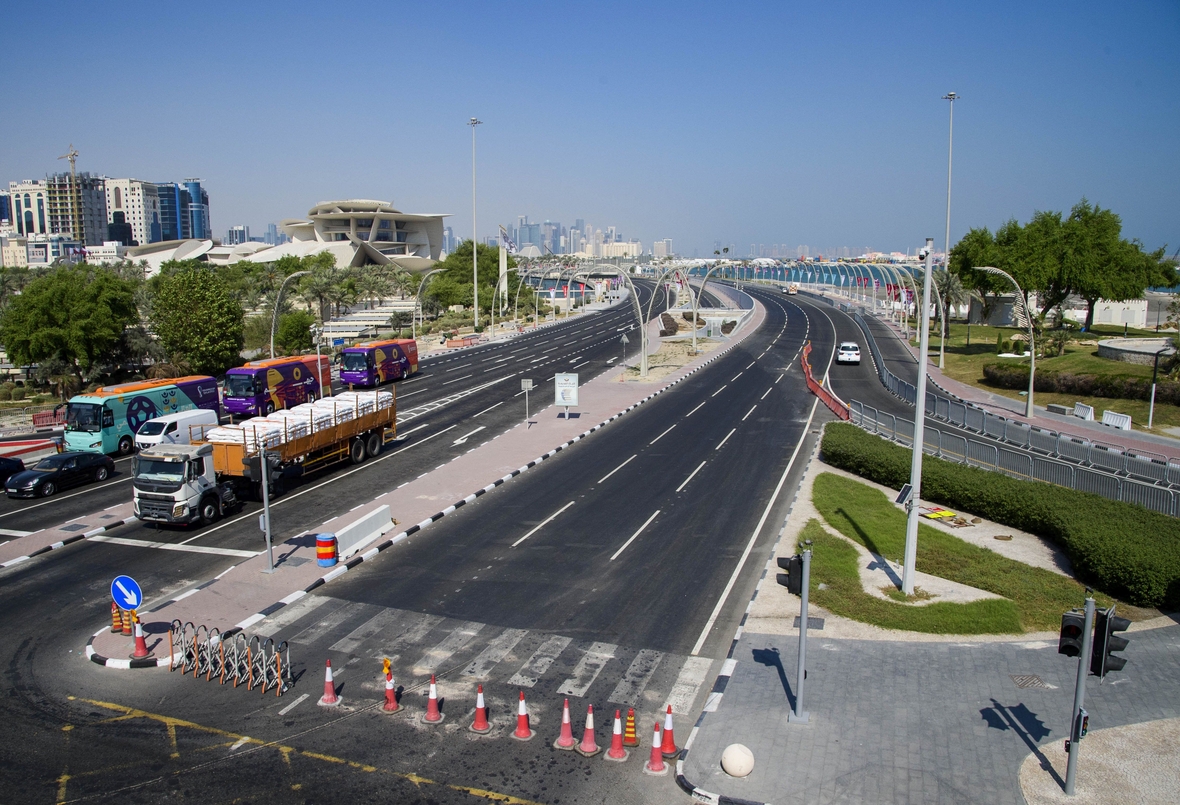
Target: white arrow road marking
pixel 131 597
pixel 463 439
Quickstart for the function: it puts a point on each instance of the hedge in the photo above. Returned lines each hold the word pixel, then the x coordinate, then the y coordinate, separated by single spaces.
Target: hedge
pixel 1015 376
pixel 1122 549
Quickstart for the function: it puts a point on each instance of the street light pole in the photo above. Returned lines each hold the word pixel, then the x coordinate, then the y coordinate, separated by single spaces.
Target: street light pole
pixel 1023 318
pixel 274 319
pixel 911 525
pixel 950 148
pixel 474 239
pixel 418 303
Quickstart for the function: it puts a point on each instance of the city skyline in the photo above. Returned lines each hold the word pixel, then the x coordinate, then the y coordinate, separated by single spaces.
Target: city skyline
pixel 750 125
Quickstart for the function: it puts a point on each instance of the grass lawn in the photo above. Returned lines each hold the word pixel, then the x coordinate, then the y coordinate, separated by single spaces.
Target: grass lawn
pixel 1035 597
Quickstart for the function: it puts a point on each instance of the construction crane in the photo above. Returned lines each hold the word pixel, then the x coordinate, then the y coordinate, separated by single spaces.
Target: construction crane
pixel 72 156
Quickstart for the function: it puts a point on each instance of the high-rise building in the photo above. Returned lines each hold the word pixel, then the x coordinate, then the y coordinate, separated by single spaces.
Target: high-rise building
pixel 174 215
pixel 236 235
pixel 662 248
pixel 6 221
pixel 136 205
pixel 198 207
pixel 449 242
pixel 77 207
pixel 551 237
pixel 28 206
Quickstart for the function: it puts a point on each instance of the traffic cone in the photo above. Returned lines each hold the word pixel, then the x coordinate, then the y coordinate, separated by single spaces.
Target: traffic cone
pixel 126 621
pixel 329 699
pixel 668 749
pixel 432 715
pixel 141 649
pixel 629 736
pixel 588 747
pixel 391 705
pixel 480 724
pixel 616 751
pixel 655 765
pixel 116 619
pixel 523 733
pixel 566 739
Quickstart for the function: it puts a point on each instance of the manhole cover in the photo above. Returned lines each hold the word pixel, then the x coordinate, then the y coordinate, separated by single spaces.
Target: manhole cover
pixel 812 623
pixel 1028 681
pixel 74 527
pixel 106 517
pixel 295 561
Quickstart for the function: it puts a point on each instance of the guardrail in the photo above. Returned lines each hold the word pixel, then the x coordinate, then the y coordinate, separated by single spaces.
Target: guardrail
pixel 1020 464
pixel 837 406
pixel 230 657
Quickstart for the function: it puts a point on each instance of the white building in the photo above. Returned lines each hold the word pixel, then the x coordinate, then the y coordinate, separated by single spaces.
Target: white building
pixel 137 204
pixel 14 251
pixel 622 248
pixel 110 252
pixel 662 248
pixel 30 211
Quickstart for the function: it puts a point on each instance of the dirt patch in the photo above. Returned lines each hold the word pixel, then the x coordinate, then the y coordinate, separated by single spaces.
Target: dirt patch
pixel 668 358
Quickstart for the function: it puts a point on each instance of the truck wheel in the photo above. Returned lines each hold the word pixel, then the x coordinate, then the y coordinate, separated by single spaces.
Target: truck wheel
pixel 356 451
pixel 270 408
pixel 210 510
pixel 373 445
pixel 125 446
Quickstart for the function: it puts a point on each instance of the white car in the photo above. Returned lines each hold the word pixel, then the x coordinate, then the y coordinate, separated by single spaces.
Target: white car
pixel 849 352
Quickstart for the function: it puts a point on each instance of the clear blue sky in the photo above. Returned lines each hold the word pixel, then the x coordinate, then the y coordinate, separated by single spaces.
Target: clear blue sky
pixel 816 123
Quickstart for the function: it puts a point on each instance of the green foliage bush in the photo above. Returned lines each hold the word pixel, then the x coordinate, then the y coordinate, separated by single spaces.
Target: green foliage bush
pixel 5 394
pixel 1122 549
pixel 1015 376
pixel 999 343
pixel 18 393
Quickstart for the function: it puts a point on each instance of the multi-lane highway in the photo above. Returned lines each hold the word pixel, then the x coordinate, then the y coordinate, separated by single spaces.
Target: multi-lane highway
pixel 615 575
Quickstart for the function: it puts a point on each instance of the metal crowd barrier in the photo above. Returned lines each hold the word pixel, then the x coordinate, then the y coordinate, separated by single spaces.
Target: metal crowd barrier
pixel 232 657
pixel 1017 463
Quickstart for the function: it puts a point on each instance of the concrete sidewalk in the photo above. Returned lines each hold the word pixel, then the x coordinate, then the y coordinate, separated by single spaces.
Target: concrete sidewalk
pixel 244 595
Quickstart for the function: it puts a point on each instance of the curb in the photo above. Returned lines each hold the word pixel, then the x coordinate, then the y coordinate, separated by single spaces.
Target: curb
pixel 67 541
pixel 93 656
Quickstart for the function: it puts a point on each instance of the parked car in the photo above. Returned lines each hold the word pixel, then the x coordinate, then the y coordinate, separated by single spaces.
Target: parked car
pixel 849 352
pixel 58 472
pixel 10 467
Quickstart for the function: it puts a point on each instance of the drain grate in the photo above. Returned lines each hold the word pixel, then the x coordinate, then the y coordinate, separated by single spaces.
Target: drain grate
pixel 295 561
pixel 75 527
pixel 812 623
pixel 1028 681
pixel 106 517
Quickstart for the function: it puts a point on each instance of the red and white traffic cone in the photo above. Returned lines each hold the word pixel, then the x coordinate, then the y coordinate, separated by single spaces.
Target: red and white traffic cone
pixel 391 705
pixel 523 733
pixel 433 715
pixel 480 724
pixel 655 765
pixel 566 739
pixel 141 649
pixel 329 699
pixel 589 746
pixel 616 751
pixel 629 736
pixel 668 749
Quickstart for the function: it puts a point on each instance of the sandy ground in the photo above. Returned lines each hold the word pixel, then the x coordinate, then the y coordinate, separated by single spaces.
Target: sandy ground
pixel 668 358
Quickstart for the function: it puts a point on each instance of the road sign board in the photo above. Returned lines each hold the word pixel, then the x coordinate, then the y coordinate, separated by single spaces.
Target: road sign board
pixel 337 342
pixel 626 340
pixel 526 385
pixel 126 592
pixel 566 389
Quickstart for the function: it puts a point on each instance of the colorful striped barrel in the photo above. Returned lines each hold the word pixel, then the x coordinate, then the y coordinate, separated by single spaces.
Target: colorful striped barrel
pixel 325 549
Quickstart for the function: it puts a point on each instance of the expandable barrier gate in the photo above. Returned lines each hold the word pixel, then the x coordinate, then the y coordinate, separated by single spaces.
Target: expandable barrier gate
pixel 838 406
pixel 232 657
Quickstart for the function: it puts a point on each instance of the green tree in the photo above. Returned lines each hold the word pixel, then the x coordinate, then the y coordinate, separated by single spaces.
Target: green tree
pixel 293 335
pixel 455 281
pixel 197 320
pixel 74 315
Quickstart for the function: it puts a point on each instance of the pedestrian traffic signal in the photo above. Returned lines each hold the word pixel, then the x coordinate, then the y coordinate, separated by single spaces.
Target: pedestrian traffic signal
pixel 1073 625
pixel 1105 642
pixel 793 578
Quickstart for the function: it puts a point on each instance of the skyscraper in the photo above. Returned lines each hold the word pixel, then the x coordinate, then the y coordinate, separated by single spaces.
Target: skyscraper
pixel 198 208
pixel 135 204
pixel 76 206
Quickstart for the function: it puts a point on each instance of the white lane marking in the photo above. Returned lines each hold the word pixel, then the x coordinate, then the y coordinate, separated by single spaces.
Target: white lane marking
pixel 763 397
pixel 293 704
pixel 588 669
pixel 411 430
pixel 543 523
pixel 59 498
pixel 752 362
pixel 172 546
pixel 718 391
pixel 612 360
pixel 615 555
pixel 539 663
pixel 289 614
pixel 662 435
pixel 457 379
pixel 693 411
pixel 412 393
pixel 735 377
pixel 459 637
pixel 463 439
pixel 688 682
pixel 484 411
pixel 8 532
pixel 749 412
pixel 780 377
pixel 370 628
pixel 689 478
pixel 616 469
pixel 422 625
pixel 696 649
pixel 726 439
pixel 244 738
pixel 496 650
pixel 583 363
pixel 639 673
pixel 329 623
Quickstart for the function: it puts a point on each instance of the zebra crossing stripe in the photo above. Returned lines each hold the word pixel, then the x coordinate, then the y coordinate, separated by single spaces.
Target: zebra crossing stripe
pixel 639 673
pixel 460 636
pixel 688 683
pixel 370 628
pixel 324 627
pixel 291 613
pixel 539 663
pixel 496 650
pixel 419 628
pixel 588 669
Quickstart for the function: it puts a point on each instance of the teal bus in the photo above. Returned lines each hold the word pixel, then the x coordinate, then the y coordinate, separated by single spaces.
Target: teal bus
pixel 107 419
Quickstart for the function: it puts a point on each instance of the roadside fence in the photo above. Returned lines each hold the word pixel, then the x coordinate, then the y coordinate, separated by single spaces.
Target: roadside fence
pixel 232 657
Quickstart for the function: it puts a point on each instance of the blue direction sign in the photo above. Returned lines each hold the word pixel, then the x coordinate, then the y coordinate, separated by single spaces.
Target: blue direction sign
pixel 126 592
pixel 337 342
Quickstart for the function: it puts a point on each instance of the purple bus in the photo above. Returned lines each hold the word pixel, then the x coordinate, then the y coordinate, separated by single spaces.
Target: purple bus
pixel 376 362
pixel 261 387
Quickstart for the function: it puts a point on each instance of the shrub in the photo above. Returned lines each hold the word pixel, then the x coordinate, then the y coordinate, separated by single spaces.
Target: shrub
pixel 1015 376
pixel 8 385
pixel 999 343
pixel 5 394
pixel 1123 549
pixel 1018 347
pixel 668 325
pixel 727 327
pixel 18 393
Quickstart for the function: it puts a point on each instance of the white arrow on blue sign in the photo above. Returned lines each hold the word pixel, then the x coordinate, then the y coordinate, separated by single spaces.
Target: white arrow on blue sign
pixel 126 592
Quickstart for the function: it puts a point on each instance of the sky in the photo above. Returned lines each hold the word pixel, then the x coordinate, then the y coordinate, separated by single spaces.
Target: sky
pixel 779 122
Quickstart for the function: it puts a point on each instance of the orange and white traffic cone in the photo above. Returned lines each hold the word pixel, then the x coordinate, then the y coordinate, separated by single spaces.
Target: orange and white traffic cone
pixel 329 699
pixel 116 619
pixel 629 736
pixel 391 705
pixel 566 739
pixel 668 749
pixel 433 715
pixel 480 724
pixel 141 649
pixel 655 765
pixel 616 751
pixel 589 746
pixel 523 732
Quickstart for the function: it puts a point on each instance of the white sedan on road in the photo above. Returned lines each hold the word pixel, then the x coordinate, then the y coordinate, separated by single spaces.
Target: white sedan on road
pixel 849 352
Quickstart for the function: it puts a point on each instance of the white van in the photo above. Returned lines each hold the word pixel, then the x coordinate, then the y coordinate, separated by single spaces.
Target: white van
pixel 174 428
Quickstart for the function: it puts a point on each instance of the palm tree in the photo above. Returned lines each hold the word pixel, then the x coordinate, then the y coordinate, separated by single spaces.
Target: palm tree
pixel 950 289
pixel 316 289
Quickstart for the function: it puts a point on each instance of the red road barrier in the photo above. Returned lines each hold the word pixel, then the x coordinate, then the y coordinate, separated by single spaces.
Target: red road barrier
pixel 27 446
pixel 838 406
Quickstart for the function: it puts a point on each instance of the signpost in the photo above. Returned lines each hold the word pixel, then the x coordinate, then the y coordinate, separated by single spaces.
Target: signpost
pixel 526 386
pixel 337 342
pixel 126 593
pixel 626 341
pixel 565 388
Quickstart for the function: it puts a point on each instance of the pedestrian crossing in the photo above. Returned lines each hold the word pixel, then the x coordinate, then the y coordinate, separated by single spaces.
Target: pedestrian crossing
pixel 358 635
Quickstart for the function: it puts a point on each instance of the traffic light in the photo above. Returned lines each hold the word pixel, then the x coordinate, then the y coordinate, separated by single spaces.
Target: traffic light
pixel 1105 641
pixel 793 578
pixel 1073 625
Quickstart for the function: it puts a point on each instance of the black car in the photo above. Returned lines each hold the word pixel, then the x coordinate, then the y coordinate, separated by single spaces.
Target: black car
pixel 57 472
pixel 10 467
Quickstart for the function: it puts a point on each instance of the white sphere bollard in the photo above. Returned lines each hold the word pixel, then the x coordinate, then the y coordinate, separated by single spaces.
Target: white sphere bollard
pixel 737 760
